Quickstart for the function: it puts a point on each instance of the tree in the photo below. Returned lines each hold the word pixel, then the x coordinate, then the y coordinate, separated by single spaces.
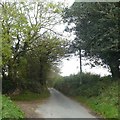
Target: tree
pixel 96 29
pixel 23 24
pixel 39 61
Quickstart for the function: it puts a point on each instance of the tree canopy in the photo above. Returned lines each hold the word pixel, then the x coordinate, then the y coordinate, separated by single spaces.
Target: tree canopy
pixel 30 45
pixel 97 32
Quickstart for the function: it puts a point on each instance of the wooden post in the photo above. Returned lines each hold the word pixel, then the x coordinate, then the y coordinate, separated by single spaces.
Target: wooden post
pixel 80 56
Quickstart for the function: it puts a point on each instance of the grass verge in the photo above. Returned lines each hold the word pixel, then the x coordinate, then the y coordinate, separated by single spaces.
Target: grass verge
pixel 10 110
pixel 100 94
pixel 102 110
pixel 30 96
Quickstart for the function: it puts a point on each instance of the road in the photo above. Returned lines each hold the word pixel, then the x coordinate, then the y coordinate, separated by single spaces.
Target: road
pixel 60 106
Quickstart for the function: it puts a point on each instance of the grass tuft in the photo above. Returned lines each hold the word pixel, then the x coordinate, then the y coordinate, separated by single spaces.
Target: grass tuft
pixel 30 96
pixel 10 110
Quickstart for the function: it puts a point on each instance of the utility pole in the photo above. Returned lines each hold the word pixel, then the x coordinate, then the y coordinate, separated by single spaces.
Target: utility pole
pixel 80 57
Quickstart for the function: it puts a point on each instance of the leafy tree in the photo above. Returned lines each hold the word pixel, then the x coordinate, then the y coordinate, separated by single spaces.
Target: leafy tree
pixel 23 25
pixel 96 29
pixel 39 61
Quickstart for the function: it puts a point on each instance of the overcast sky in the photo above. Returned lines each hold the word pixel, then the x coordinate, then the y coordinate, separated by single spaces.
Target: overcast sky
pixel 72 65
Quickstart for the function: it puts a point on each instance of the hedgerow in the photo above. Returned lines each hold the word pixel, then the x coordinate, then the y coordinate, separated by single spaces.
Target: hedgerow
pixel 10 110
pixel 99 93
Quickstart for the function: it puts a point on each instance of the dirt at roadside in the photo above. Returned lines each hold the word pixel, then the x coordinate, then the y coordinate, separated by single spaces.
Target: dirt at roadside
pixel 29 107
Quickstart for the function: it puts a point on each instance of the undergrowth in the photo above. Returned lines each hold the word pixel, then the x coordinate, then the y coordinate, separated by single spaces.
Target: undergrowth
pixel 10 110
pixel 98 93
pixel 29 96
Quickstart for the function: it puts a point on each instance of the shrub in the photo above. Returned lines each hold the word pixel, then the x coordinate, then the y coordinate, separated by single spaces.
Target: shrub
pixel 29 96
pixel 95 91
pixel 10 110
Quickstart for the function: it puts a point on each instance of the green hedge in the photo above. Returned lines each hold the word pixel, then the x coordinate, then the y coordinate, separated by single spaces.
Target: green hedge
pixel 30 96
pixel 99 93
pixel 10 110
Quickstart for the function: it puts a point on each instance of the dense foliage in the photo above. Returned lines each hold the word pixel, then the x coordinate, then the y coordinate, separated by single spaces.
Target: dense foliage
pixel 96 92
pixel 30 46
pixel 30 96
pixel 10 110
pixel 97 32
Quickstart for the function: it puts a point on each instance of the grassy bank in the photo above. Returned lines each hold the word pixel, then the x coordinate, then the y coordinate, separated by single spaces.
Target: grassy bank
pixel 10 110
pixel 29 96
pixel 106 104
pixel 99 94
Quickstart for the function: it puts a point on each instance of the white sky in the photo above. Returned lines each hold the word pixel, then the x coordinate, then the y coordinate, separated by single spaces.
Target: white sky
pixel 71 66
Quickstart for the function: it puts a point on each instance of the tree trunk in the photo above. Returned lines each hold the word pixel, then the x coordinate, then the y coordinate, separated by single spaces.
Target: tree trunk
pixel 115 70
pixel 41 75
pixel 10 72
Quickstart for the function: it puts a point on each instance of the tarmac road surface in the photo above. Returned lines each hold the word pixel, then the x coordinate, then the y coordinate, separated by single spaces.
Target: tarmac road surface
pixel 60 106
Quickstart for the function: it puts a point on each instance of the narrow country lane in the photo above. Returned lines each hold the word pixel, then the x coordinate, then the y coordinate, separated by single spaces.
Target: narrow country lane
pixel 60 106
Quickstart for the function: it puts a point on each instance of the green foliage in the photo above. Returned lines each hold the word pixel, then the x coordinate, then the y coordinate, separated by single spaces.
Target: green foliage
pixel 106 103
pixel 10 110
pixel 29 96
pixel 7 85
pixel 53 76
pixel 29 44
pixel 97 32
pixel 34 75
pixel 100 94
pixel 0 106
pixel 88 81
